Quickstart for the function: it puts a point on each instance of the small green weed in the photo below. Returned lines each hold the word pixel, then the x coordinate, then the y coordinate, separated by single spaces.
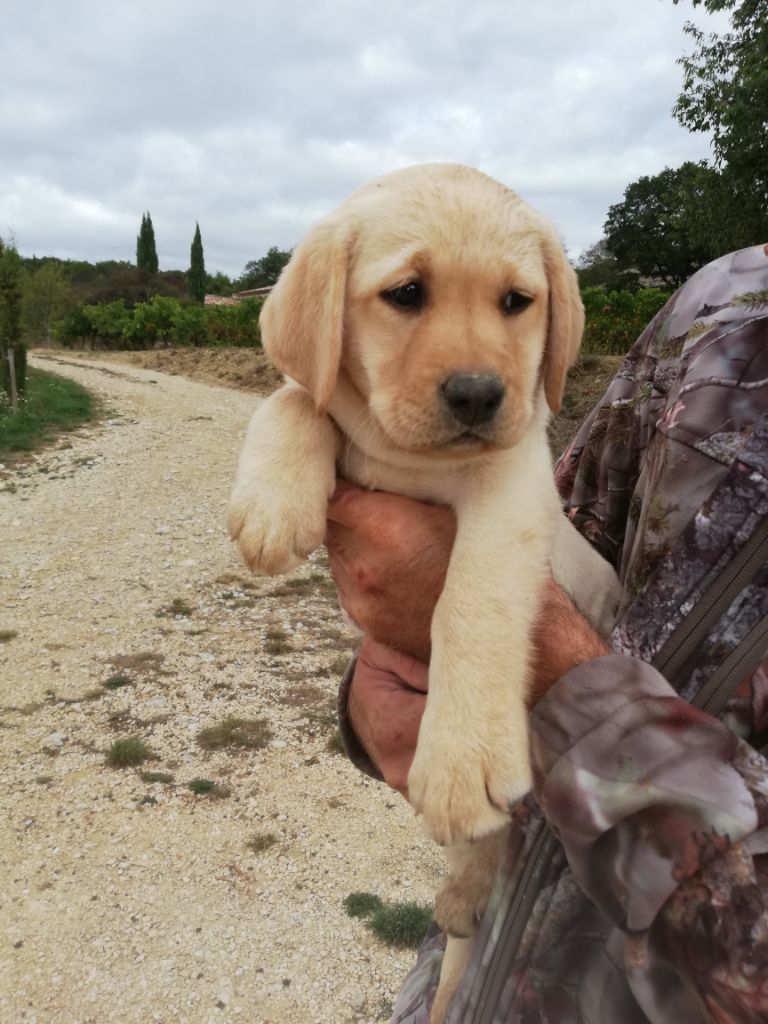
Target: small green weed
pixel 261 842
pixel 178 608
pixel 402 925
pixel 117 681
pixel 335 744
pixel 52 404
pixel 142 663
pixel 362 904
pixel 251 733
pixel 207 787
pixel 163 777
pixel 128 752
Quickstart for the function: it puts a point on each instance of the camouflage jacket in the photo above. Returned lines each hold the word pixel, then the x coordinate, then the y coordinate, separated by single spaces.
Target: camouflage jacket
pixel 635 887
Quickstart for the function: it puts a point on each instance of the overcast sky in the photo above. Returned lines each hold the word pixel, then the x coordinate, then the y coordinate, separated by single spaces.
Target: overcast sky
pixel 255 117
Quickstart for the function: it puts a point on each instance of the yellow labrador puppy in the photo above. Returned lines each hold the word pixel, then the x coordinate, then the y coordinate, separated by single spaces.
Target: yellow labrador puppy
pixel 426 328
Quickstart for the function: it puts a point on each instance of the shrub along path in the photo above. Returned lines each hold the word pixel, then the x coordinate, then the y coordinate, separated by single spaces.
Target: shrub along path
pixel 190 881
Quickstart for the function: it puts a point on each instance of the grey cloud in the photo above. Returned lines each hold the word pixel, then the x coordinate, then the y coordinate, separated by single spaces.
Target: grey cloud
pixel 256 118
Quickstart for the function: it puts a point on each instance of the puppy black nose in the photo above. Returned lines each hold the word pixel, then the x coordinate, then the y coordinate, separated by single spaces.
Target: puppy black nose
pixel 473 398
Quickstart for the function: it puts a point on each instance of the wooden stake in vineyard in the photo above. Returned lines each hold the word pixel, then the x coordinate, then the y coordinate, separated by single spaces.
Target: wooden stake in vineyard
pixel 13 355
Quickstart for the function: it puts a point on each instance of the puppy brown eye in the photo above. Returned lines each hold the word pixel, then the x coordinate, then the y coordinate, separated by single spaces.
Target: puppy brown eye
pixel 514 302
pixel 407 296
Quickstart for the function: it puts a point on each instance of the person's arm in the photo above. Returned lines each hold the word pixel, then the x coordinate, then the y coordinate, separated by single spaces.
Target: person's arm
pixel 662 810
pixel 389 556
pixel 663 815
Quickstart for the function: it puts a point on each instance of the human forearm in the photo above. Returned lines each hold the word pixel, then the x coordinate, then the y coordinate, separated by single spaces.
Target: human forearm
pixel 658 806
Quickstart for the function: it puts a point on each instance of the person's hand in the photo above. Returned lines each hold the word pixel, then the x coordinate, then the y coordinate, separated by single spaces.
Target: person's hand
pixel 389 556
pixel 386 702
pixel 390 568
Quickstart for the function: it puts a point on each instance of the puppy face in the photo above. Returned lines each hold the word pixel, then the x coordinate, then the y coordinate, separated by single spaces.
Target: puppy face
pixel 450 305
pixel 446 319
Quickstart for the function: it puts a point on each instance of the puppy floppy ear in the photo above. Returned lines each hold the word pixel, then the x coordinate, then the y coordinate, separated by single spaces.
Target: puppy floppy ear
pixel 566 321
pixel 302 322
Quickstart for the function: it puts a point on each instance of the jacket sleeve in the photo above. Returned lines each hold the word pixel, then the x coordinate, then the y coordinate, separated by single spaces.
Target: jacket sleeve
pixel 663 814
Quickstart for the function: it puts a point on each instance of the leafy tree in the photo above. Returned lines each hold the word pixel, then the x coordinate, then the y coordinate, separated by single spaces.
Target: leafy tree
pixel 265 271
pixel 11 348
pixel 219 284
pixel 46 296
pixel 597 267
pixel 725 92
pixel 196 276
pixel 654 230
pixel 146 250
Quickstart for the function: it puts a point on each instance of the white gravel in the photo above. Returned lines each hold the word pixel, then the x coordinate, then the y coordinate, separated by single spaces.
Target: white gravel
pixel 129 901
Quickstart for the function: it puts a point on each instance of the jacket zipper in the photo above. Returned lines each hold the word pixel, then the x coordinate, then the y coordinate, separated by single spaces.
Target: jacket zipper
pixel 536 868
pixel 739 664
pixel 670 659
pixel 684 641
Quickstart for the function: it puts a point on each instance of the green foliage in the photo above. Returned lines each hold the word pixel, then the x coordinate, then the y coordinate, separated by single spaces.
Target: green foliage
pixel 725 92
pixel 653 231
pixel 128 752
pixel 161 322
pixel 146 250
pixel 251 733
pixel 614 320
pixel 46 296
pixel 52 404
pixel 265 271
pixel 196 276
pixel 362 904
pixel 403 925
pixel 207 787
pixel 597 267
pixel 11 348
pixel 218 284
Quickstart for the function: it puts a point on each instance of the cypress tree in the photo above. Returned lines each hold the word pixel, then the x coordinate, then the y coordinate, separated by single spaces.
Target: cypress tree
pixel 146 251
pixel 196 272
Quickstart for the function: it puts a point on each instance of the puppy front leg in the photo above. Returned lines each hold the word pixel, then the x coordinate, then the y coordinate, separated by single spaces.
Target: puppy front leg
pixel 286 474
pixel 471 763
pixel 585 576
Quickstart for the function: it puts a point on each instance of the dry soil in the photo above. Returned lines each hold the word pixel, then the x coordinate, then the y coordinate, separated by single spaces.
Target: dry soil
pixel 128 900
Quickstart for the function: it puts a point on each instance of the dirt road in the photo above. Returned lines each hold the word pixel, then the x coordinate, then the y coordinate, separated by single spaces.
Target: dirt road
pixel 130 900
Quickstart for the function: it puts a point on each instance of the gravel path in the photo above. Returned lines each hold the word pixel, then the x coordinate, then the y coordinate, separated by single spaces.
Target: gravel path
pixel 126 900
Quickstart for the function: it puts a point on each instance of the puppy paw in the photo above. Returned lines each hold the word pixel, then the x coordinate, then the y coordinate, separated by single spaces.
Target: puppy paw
pixel 463 895
pixel 455 911
pixel 466 792
pixel 274 536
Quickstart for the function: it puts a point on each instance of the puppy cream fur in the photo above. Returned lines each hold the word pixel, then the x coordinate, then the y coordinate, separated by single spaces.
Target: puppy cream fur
pixel 365 398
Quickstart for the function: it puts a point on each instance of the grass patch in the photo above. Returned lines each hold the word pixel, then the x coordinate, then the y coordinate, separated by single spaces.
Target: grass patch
pixel 142 663
pixel 6 635
pixel 276 641
pixel 362 904
pixel 128 752
pixel 53 404
pixel 117 681
pixel 250 733
pixel 178 608
pixel 586 384
pixel 402 925
pixel 303 695
pixel 261 842
pixel 335 744
pixel 163 777
pixel 207 787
